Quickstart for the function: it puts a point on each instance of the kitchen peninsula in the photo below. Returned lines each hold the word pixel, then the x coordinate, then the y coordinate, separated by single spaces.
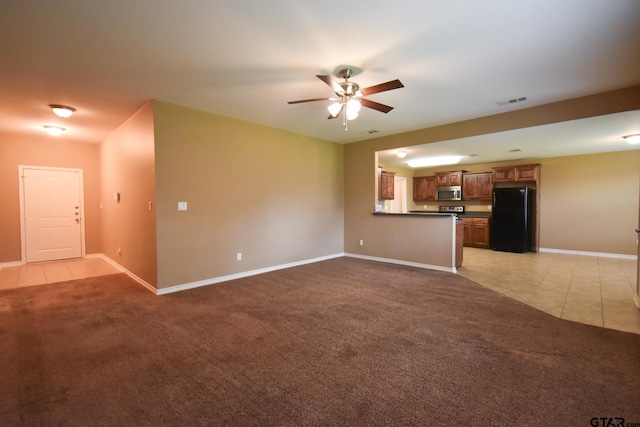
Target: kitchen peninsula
pixel 427 240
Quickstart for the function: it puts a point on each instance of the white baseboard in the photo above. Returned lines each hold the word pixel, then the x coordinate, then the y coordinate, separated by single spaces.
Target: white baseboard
pixel 214 280
pixel 10 264
pixel 400 262
pixel 583 253
pixel 146 285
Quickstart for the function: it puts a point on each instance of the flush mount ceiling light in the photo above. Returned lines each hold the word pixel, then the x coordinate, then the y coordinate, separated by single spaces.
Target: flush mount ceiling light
pixel 434 161
pixel 54 130
pixel 401 154
pixel 62 110
pixel 632 139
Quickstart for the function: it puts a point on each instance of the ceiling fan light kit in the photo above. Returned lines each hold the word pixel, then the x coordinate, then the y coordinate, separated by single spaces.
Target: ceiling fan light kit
pixel 350 98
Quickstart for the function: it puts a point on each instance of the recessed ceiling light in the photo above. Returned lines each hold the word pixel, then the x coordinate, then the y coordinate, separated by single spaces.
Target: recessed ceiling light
pixel 434 161
pixel 62 110
pixel 54 130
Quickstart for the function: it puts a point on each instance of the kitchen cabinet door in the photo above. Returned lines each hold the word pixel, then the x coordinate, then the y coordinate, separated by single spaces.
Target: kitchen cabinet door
pixel 424 188
pixel 446 179
pixel 469 186
pixel 527 172
pixel 485 186
pixel 517 173
pixel 387 185
pixel 477 186
pixel 481 234
pixel 476 233
pixel 419 188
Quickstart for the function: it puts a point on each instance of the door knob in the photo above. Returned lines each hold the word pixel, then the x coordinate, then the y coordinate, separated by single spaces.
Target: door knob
pixel 638 230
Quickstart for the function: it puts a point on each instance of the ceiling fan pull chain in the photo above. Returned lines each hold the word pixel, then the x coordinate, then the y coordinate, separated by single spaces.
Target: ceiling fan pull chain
pixel 344 117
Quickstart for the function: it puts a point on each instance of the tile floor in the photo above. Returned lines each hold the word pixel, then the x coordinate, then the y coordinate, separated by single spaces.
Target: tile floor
pixel 51 272
pixel 593 290
pixel 597 291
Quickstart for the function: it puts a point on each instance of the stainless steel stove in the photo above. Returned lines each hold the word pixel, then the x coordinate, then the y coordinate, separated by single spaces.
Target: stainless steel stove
pixel 451 209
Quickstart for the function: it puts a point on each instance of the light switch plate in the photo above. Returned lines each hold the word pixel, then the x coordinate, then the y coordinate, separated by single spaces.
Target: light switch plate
pixel 182 206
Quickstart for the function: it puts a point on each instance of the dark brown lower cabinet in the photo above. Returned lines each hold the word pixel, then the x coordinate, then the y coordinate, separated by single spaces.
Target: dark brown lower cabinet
pixel 476 232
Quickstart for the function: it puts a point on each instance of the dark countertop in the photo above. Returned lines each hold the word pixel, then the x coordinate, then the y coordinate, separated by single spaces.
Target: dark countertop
pixel 459 215
pixel 475 215
pixel 416 213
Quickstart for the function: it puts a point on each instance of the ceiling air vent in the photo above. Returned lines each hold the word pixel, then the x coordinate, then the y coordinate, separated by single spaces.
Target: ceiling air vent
pixel 512 101
pixel 369 132
pixel 515 150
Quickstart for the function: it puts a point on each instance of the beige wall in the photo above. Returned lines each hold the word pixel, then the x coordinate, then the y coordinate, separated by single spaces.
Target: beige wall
pixel 590 203
pixel 127 159
pixel 49 152
pixel 274 196
pixel 360 168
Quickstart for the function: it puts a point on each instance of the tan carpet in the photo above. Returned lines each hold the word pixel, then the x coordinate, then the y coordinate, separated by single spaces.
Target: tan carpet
pixel 340 342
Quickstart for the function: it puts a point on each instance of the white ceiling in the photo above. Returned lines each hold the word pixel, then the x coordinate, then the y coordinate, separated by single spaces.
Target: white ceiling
pixel 585 136
pixel 247 58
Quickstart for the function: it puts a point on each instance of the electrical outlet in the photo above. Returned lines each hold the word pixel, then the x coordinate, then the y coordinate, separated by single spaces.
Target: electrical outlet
pixel 361 242
pixel 239 256
pixel 119 251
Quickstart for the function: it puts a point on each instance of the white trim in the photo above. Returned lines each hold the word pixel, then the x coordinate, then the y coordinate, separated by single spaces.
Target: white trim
pixel 146 285
pixel 401 262
pixel 454 218
pixel 214 280
pixel 10 264
pixel 584 253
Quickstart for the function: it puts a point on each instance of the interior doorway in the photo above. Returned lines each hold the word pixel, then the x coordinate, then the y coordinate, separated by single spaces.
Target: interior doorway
pixel 399 202
pixel 51 212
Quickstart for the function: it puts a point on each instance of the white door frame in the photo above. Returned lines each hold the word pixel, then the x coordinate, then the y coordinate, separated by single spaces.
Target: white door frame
pixel 23 228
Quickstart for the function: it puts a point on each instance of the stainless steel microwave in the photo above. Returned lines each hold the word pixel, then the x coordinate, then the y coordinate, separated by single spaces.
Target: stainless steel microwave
pixel 449 193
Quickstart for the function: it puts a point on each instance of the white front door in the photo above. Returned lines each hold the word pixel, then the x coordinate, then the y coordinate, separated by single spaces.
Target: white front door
pixel 52 208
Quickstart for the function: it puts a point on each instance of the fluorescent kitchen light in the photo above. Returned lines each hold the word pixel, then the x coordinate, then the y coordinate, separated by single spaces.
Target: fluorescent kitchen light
pixel 632 139
pixel 434 161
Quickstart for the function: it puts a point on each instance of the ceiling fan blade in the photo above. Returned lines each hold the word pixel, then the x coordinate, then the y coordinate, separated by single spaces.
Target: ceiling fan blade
pixel 375 105
pixel 329 81
pixel 308 100
pixel 382 87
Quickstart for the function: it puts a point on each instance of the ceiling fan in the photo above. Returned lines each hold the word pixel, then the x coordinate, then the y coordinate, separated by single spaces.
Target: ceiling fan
pixel 349 97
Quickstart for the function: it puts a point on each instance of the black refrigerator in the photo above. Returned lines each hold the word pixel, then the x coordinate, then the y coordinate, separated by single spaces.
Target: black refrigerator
pixel 512 219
